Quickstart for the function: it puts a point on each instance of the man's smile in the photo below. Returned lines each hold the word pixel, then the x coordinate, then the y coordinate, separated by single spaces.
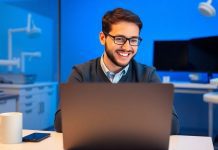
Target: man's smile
pixel 124 54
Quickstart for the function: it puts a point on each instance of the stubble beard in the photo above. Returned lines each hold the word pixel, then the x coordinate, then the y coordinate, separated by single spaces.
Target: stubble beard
pixel 113 59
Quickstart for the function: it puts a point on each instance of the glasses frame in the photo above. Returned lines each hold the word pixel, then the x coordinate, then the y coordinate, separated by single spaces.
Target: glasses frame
pixel 127 39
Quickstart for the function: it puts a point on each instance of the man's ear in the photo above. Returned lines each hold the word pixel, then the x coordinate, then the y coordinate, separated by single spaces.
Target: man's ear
pixel 102 38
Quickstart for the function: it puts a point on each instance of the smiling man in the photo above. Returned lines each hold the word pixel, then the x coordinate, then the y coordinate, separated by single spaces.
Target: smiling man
pixel 120 36
pixel 121 44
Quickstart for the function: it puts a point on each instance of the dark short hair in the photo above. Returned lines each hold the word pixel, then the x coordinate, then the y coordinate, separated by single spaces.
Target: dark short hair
pixel 118 15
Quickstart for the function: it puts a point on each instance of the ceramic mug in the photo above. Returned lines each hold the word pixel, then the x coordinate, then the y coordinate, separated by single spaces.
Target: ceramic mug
pixel 11 125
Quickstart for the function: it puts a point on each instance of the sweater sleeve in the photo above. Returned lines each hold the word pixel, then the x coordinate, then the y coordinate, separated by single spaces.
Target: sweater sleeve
pixel 153 76
pixel 57 122
pixel 76 76
pixel 175 123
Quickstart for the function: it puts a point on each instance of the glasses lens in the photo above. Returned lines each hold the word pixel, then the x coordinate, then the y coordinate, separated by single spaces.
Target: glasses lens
pixel 134 41
pixel 119 40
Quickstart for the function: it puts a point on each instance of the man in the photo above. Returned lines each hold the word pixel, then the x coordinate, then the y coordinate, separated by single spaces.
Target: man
pixel 120 36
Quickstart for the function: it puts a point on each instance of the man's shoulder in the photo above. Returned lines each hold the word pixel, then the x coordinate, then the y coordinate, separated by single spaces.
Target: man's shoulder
pixel 145 73
pixel 142 67
pixel 85 72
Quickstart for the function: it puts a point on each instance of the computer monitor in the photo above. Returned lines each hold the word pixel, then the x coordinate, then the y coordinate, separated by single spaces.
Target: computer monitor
pixel 171 55
pixel 195 55
pixel 203 54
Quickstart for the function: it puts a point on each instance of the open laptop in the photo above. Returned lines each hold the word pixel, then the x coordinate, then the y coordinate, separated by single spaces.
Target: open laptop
pixel 116 116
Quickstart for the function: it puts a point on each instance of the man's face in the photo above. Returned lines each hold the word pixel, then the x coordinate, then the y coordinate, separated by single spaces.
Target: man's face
pixel 118 56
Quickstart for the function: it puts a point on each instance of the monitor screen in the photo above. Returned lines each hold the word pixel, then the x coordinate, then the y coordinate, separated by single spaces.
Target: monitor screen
pixel 195 55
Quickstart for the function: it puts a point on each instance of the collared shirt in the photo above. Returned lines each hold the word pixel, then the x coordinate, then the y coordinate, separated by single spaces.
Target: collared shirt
pixel 113 77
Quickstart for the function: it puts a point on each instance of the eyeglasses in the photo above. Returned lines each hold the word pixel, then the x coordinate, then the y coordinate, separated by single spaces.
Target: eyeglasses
pixel 121 40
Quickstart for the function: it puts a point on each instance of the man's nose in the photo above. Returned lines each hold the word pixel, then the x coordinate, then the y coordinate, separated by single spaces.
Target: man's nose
pixel 126 45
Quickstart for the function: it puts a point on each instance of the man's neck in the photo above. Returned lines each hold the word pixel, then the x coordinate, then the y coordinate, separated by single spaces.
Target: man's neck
pixel 110 65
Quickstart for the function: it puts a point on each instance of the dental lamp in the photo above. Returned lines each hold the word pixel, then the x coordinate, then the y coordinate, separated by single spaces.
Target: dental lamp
pixel 207 9
pixel 30 29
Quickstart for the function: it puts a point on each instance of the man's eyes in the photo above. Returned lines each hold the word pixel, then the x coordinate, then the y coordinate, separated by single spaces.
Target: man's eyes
pixel 120 38
pixel 135 40
pixel 124 39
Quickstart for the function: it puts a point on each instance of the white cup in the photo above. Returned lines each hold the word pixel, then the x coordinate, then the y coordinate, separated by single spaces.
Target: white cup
pixel 11 125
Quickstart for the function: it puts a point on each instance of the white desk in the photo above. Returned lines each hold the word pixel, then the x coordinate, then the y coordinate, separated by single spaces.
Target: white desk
pixel 193 88
pixel 197 88
pixel 55 142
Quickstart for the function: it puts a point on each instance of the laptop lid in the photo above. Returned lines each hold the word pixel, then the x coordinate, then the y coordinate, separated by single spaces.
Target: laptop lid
pixel 102 115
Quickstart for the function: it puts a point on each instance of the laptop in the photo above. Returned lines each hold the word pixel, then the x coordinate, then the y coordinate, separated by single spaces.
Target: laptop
pixel 116 116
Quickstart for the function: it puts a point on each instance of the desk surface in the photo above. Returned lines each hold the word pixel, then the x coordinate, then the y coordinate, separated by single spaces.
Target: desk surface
pixel 193 88
pixel 55 142
pixel 194 85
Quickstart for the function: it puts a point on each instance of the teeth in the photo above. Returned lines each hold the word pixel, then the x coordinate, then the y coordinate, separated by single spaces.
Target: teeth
pixel 124 54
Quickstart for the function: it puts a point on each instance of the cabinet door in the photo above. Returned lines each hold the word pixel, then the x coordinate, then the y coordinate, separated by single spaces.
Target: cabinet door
pixel 51 101
pixel 30 116
pixel 42 111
